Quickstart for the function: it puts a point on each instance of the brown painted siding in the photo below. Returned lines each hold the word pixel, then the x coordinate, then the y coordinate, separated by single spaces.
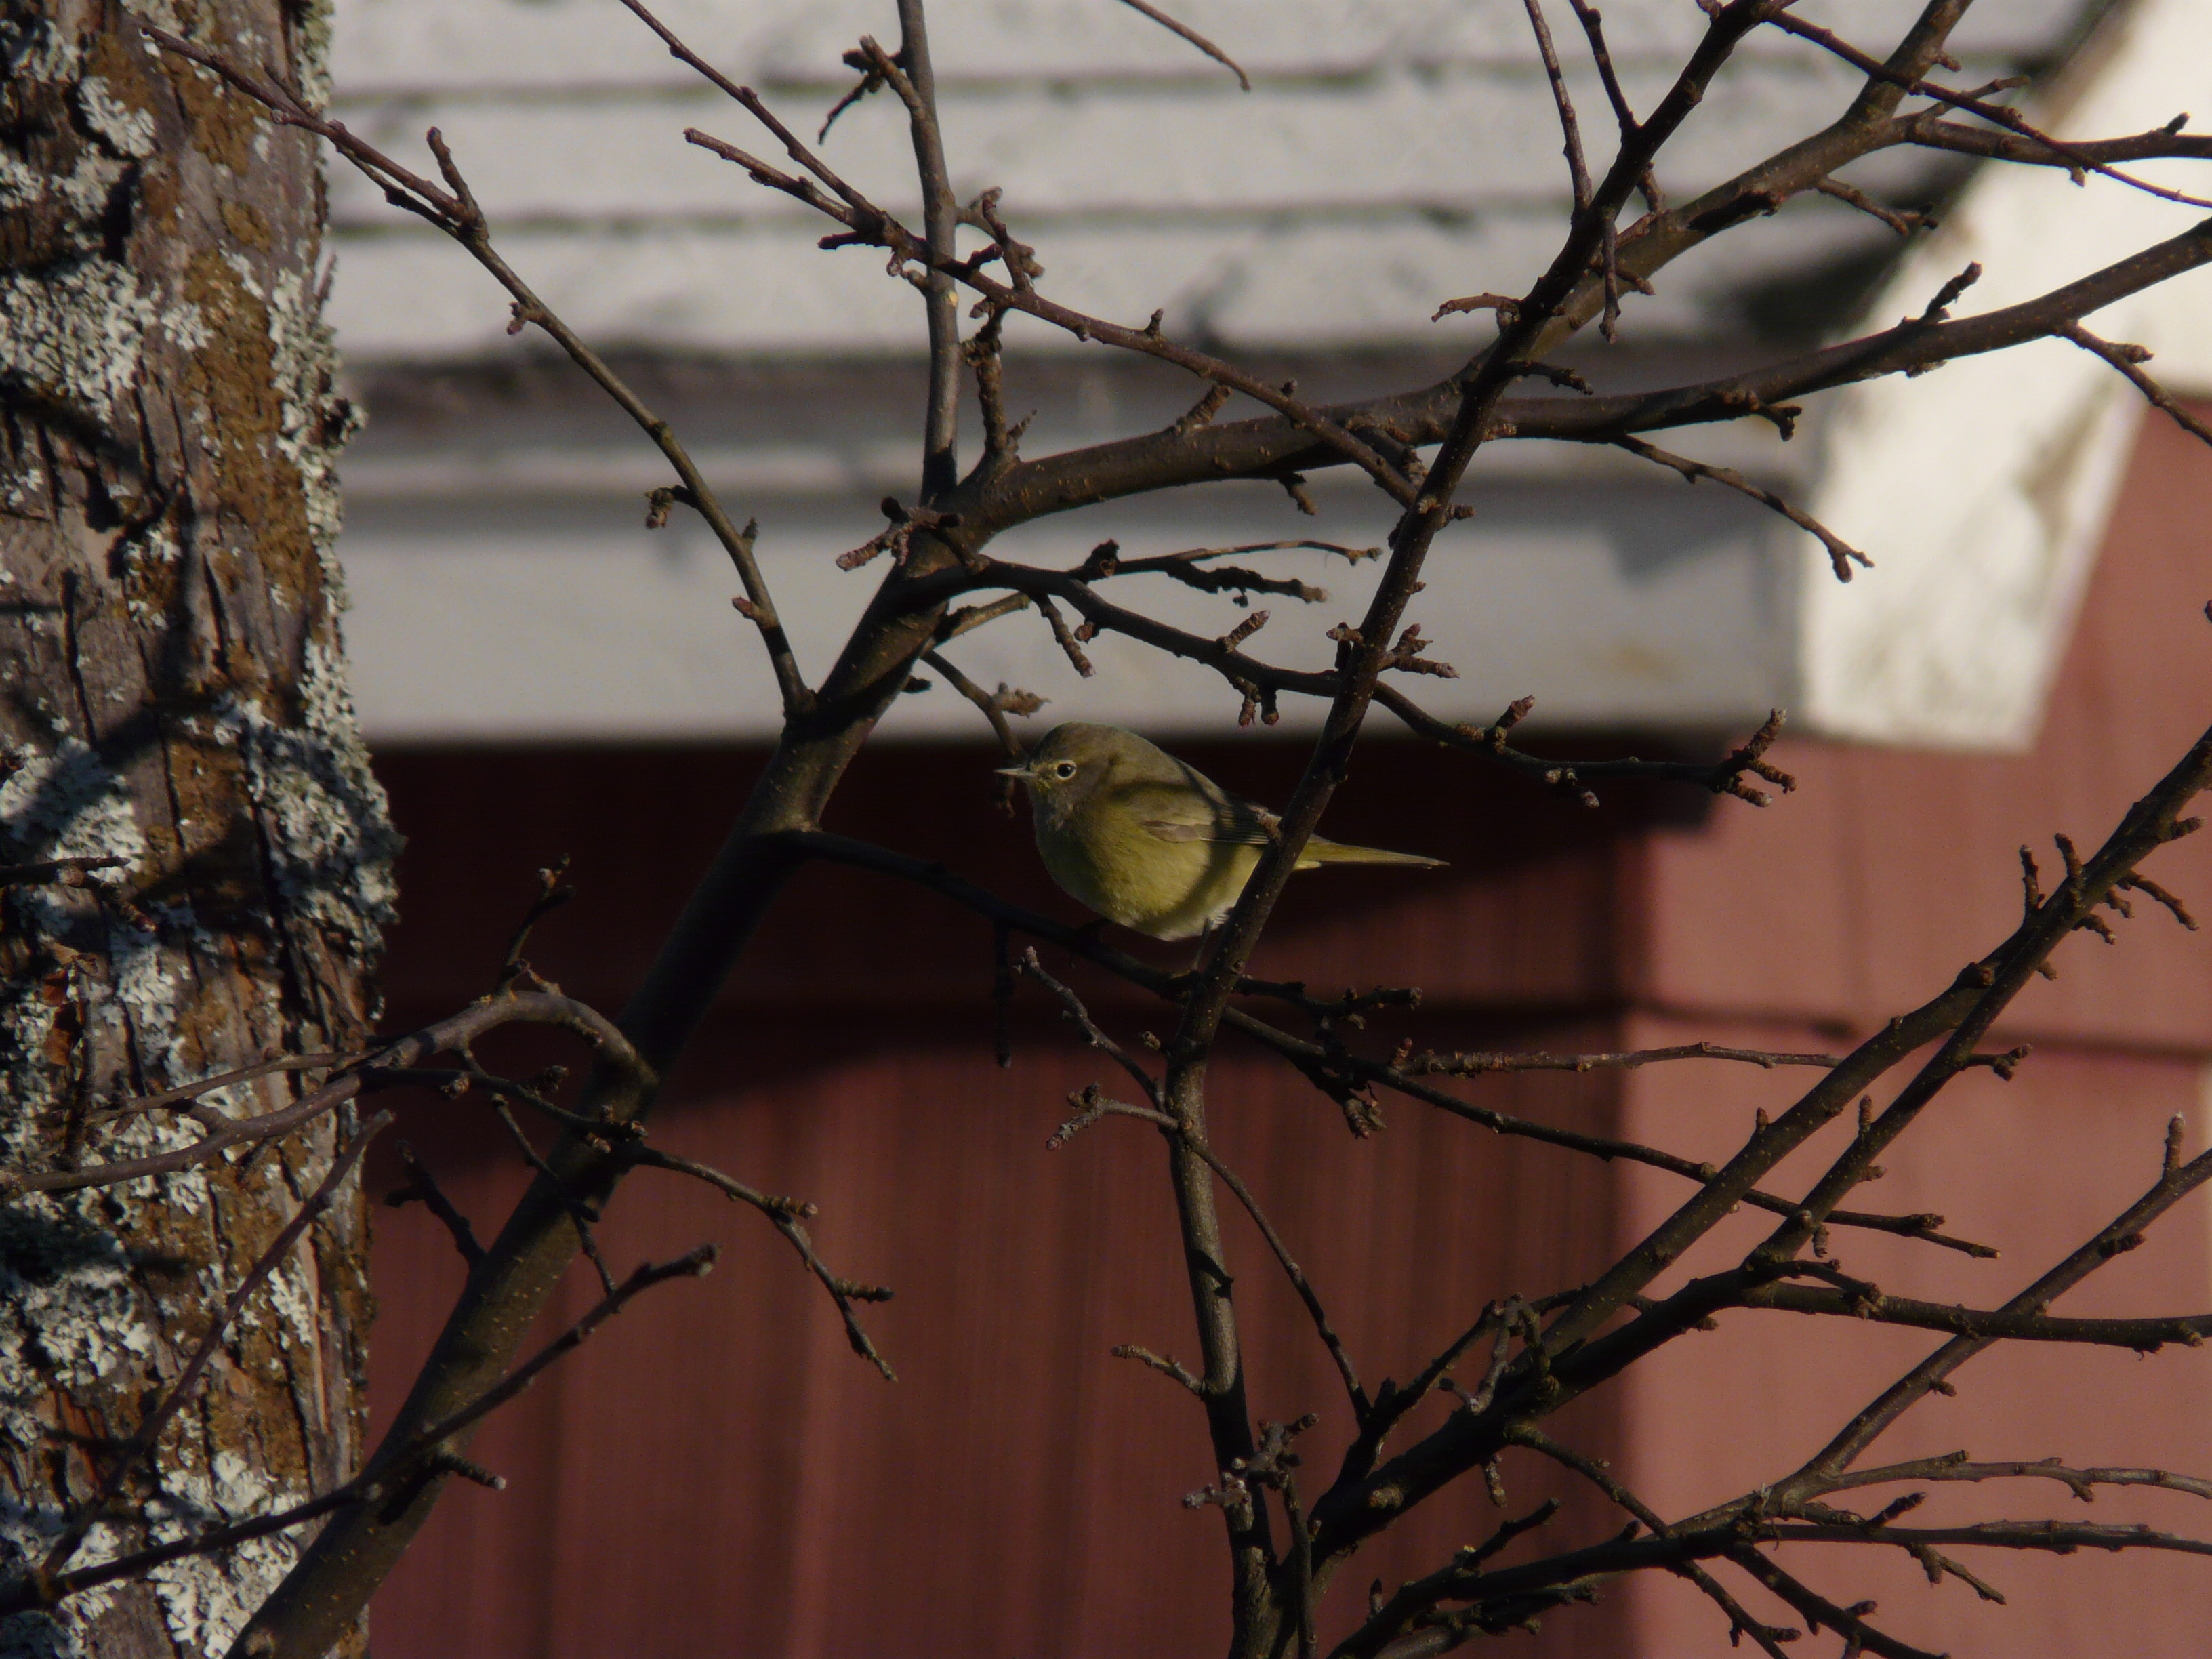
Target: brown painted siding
pixel 2033 1167
pixel 720 1466
pixel 1888 870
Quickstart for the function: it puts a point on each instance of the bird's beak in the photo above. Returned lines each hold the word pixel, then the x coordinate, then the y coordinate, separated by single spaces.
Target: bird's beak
pixel 1021 772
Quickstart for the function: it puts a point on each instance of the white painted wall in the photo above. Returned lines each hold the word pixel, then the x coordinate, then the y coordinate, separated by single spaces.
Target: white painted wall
pixel 1392 154
pixel 1983 491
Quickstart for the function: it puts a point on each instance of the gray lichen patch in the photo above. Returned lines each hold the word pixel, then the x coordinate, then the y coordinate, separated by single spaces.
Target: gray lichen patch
pixel 66 803
pixel 72 337
pixel 128 131
pixel 310 46
pixel 333 844
pixel 34 50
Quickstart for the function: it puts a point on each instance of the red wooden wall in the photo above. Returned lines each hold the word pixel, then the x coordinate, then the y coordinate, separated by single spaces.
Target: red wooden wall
pixel 717 1475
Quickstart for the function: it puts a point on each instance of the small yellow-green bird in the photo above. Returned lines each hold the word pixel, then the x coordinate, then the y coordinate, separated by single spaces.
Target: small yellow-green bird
pixel 1147 840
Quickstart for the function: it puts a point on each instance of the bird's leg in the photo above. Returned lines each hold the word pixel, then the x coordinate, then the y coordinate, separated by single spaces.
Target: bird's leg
pixel 1198 961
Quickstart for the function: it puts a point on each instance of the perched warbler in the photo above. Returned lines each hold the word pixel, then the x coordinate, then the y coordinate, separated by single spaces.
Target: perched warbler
pixel 1147 840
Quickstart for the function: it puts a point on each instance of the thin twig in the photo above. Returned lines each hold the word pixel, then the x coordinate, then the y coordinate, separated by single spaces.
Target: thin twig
pixel 1197 40
pixel 1903 223
pixel 1479 1065
pixel 552 893
pixel 221 1080
pixel 1819 1611
pixel 1838 1454
pixel 424 1186
pixel 1767 1638
pixel 1956 1467
pixel 1076 1015
pixel 1165 1364
pixel 1593 28
pixel 995 705
pixel 580 1217
pixel 65 872
pixel 969 618
pixel 2002 114
pixel 1324 1065
pixel 1577 170
pixel 1098 1105
pixel 455 1032
pixel 868 225
pixel 1841 553
pixel 911 76
pixel 2128 360
pixel 784 1214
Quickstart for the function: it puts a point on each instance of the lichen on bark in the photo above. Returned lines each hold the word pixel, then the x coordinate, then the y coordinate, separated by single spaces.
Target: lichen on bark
pixel 173 693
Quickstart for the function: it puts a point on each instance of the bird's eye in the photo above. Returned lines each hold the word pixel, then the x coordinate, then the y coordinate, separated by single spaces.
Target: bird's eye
pixel 1064 771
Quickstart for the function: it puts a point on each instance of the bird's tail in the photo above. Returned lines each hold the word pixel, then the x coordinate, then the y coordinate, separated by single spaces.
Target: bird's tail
pixel 1319 851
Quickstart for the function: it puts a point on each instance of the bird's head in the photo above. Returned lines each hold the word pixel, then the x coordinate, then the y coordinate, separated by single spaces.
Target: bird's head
pixel 1071 761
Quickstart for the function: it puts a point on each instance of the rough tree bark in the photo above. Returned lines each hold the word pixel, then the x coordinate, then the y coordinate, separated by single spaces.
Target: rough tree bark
pixel 171 695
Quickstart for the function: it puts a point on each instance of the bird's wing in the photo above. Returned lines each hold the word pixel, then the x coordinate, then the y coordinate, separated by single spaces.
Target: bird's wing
pixel 1172 813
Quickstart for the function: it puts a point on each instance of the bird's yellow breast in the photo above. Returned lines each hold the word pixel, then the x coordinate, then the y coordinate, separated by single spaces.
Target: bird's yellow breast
pixel 1168 888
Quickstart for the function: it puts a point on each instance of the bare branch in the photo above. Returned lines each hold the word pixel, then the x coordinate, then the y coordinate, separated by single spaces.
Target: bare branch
pixel 1480 1064
pixel 784 1214
pixel 1956 1467
pixel 2161 143
pixel 1571 129
pixel 1819 1611
pixel 2143 1335
pixel 1841 553
pixel 193 1091
pixel 2128 360
pixel 527 1008
pixel 1165 1364
pixel 1197 40
pixel 1985 988
pixel 870 226
pixel 1903 223
pixel 1334 1070
pixel 912 77
pixel 2120 1236
pixel 1185 1135
pixel 424 1186
pixel 1245 449
pixel 2003 115
pixel 65 872
pixel 1593 28
pixel 551 895
pixel 1740 1623
pixel 971 617
pixel 1076 1014
pixel 995 705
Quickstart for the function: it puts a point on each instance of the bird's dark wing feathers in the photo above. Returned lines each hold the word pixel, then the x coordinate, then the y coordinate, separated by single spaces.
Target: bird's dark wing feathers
pixel 1178 815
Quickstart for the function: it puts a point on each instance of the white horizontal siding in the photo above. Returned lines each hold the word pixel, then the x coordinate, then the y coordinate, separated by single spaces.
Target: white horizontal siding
pixel 1392 156
pixel 1458 141
pixel 413 46
pixel 1305 282
pixel 1655 606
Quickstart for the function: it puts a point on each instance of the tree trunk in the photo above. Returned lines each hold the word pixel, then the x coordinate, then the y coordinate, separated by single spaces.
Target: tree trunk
pixel 172 693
